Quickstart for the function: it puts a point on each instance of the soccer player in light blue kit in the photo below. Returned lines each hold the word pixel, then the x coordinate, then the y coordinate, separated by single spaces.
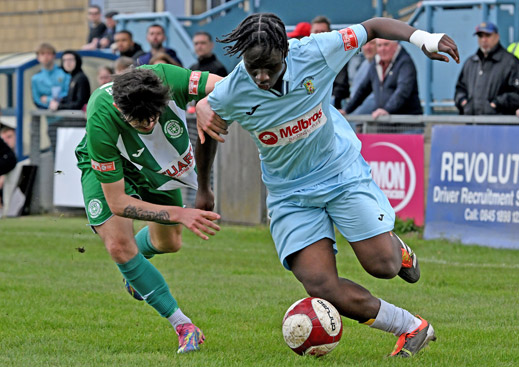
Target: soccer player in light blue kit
pixel 311 162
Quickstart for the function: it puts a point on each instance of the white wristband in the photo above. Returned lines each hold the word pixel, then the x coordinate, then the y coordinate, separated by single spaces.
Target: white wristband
pixel 421 38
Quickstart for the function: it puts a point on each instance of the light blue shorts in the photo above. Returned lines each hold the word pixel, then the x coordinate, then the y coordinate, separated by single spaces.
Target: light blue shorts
pixel 351 200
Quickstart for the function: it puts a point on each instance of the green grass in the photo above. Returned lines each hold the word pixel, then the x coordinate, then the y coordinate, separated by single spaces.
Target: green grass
pixel 60 307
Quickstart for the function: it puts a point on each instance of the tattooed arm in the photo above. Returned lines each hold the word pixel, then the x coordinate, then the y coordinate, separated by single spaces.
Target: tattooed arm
pixel 124 205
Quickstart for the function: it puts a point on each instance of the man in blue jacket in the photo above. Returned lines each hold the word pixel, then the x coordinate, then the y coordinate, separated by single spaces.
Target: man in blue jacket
pixel 392 79
pixel 51 82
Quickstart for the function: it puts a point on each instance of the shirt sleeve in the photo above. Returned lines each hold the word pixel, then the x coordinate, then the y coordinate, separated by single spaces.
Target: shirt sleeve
pixel 186 85
pixel 220 99
pixel 102 148
pixel 338 47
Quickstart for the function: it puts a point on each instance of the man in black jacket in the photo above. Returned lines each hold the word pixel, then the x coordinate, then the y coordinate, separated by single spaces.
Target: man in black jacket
pixel 79 87
pixel 126 46
pixel 392 79
pixel 207 61
pixel 489 81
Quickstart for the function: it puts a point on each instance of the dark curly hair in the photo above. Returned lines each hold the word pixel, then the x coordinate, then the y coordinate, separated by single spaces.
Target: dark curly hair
pixel 140 94
pixel 265 29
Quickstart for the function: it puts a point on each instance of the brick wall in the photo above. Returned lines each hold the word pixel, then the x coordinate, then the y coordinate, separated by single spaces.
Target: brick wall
pixel 26 23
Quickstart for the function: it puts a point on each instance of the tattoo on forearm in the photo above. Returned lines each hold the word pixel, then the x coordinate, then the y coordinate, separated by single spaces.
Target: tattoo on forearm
pixel 136 213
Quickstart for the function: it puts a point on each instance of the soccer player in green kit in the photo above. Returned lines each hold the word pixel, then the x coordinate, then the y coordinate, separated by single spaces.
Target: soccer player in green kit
pixel 134 158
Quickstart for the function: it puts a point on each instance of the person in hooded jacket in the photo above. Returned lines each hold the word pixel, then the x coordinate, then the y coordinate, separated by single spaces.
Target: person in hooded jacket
pixel 79 87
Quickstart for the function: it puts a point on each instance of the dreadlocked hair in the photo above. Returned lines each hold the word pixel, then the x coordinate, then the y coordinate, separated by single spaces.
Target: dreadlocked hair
pixel 140 94
pixel 265 29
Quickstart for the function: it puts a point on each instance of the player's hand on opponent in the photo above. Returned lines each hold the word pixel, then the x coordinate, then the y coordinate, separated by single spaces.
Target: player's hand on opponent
pixel 446 45
pixel 200 222
pixel 209 122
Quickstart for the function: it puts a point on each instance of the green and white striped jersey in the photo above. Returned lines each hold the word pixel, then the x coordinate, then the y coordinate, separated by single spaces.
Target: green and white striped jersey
pixel 163 156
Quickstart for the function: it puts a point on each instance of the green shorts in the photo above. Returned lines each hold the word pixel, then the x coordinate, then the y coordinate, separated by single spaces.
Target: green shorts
pixel 97 208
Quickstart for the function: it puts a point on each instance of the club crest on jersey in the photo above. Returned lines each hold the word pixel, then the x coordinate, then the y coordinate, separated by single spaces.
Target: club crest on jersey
pixel 173 128
pixel 308 83
pixel 95 207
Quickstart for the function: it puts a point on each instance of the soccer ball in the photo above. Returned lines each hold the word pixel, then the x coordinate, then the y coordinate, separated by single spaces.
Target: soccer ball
pixel 312 326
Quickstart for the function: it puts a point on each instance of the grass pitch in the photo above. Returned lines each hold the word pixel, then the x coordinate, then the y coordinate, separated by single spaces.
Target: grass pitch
pixel 62 302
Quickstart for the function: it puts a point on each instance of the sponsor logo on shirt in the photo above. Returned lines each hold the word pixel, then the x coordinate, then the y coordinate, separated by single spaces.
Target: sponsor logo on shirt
pixel 173 128
pixel 349 38
pixel 294 130
pixel 181 166
pixel 103 167
pixel 308 83
pixel 194 81
pixel 108 89
pixel 138 154
pixel 252 110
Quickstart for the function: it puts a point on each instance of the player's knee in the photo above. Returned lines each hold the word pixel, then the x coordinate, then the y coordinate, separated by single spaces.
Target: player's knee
pixel 385 267
pixel 120 250
pixel 321 286
pixel 172 243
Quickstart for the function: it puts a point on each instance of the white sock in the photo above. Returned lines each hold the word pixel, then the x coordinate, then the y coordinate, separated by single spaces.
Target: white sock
pixel 178 318
pixel 394 319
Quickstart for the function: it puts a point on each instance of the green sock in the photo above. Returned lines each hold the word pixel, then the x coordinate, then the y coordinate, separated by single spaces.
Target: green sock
pixel 150 283
pixel 144 243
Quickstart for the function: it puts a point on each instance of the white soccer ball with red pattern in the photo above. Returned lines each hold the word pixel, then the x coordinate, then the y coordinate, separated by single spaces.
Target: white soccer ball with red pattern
pixel 312 326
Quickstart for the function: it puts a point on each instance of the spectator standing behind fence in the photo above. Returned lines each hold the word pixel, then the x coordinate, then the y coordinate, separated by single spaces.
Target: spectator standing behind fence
pixel 156 36
pixel 79 87
pixel 107 39
pixel 125 45
pixel 341 84
pixel 392 79
pixel 96 28
pixel 207 61
pixel 51 82
pixel 369 50
pixel 489 81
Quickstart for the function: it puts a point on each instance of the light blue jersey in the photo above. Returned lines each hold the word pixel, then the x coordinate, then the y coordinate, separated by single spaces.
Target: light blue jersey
pixel 302 139
pixel 310 156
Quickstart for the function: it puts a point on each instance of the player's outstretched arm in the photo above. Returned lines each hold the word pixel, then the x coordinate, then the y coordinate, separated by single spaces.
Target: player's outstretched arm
pixel 209 122
pixel 430 43
pixel 200 222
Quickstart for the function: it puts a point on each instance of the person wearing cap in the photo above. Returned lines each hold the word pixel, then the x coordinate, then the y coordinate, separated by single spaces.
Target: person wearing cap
pixel 301 30
pixel 489 80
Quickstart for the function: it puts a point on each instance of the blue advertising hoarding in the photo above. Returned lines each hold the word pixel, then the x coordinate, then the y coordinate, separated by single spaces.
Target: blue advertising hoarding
pixel 473 191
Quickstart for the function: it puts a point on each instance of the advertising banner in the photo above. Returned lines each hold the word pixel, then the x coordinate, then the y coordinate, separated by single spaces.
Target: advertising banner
pixel 67 177
pixel 473 192
pixel 397 165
